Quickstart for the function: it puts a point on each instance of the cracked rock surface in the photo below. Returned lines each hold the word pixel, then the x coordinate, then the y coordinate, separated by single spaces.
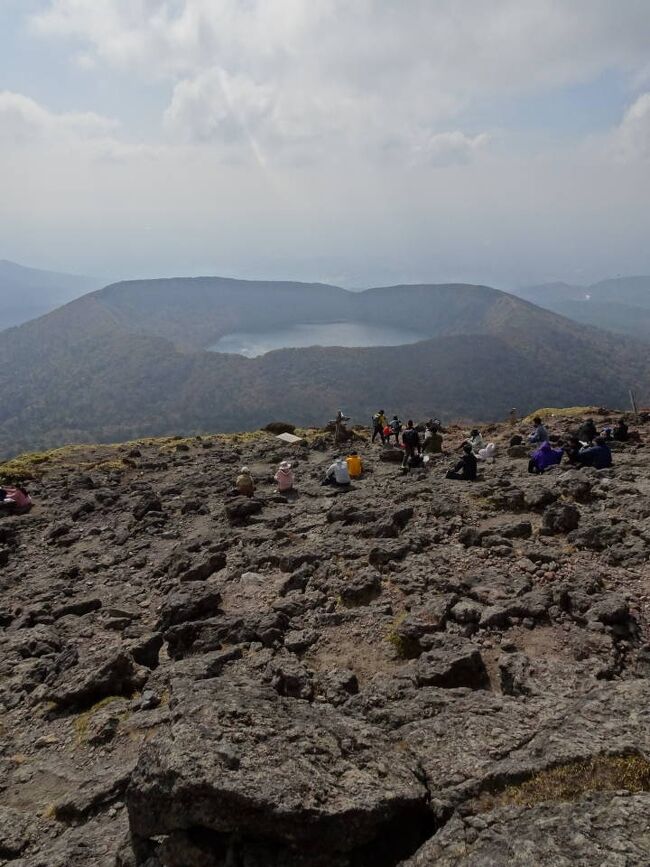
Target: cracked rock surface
pixel 329 678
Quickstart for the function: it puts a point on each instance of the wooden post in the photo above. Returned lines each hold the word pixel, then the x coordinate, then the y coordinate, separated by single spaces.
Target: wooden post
pixel 633 402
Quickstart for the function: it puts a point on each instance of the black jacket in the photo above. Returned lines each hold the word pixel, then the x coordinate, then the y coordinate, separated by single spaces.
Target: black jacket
pixel 467 466
pixel 411 438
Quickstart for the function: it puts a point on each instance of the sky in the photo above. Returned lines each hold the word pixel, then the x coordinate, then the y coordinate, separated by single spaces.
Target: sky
pixel 504 142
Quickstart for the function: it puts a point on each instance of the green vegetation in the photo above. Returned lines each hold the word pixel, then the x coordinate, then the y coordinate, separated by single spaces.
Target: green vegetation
pixel 568 411
pixel 82 721
pixel 568 782
pixel 407 648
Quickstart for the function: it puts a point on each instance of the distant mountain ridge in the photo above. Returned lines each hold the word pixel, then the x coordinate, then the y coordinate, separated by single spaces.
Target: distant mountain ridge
pixel 130 360
pixel 620 304
pixel 26 293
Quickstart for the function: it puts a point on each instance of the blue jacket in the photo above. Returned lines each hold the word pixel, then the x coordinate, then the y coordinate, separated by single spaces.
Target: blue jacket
pixel 599 457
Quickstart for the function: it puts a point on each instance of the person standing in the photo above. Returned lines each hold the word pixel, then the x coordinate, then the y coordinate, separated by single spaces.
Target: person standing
pixel 411 443
pixel 378 425
pixel 395 429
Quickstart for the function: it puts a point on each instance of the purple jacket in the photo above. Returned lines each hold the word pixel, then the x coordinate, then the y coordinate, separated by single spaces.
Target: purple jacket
pixel 546 456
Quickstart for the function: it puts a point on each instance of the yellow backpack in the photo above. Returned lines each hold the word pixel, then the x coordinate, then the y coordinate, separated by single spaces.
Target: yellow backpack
pixel 355 466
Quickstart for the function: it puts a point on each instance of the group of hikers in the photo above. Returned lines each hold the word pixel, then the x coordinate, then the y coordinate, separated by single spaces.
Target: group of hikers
pixel 586 448
pixel 419 445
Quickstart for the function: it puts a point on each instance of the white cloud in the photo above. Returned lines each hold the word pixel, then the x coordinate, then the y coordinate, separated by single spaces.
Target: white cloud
pixel 364 135
pixel 217 105
pixel 326 79
pixel 25 121
pixel 632 138
pixel 450 148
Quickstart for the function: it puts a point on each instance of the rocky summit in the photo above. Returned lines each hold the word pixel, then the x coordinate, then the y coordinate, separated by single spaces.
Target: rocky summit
pixel 415 671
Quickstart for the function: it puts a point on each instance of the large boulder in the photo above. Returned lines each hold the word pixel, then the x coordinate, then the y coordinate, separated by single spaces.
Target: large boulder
pixel 245 768
pixel 599 829
pixel 560 518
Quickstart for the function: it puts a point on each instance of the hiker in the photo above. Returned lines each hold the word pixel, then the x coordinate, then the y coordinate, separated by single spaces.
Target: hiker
pixel 355 465
pixel 489 453
pixel 412 445
pixel 572 450
pixel 244 483
pixel 15 500
pixel 395 429
pixel 587 432
pixel 284 477
pixel 621 432
pixel 378 425
pixel 337 473
pixel 412 462
pixel 340 430
pixel 465 469
pixel 539 434
pixel 597 456
pixel 432 441
pixel 475 440
pixel 544 457
pixel 512 416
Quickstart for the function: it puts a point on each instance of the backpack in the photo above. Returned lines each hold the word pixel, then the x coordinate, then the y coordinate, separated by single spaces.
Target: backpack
pixel 410 437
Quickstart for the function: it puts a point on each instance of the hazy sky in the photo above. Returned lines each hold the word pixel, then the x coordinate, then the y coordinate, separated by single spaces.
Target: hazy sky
pixel 351 141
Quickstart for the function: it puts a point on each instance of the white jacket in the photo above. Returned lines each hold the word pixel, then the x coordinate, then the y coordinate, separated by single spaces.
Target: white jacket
pixel 339 469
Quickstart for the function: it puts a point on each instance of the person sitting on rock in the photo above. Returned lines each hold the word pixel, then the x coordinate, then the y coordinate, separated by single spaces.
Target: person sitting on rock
pixel 432 441
pixel 378 425
pixel 544 457
pixel 572 450
pixel 597 456
pixel 245 484
pixel 475 440
pixel 337 473
pixel 588 431
pixel 355 465
pixel 465 469
pixel 15 500
pixel 284 477
pixel 539 434
pixel 621 431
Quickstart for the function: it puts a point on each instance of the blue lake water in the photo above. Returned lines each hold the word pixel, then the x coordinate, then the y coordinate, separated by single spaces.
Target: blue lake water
pixel 252 344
